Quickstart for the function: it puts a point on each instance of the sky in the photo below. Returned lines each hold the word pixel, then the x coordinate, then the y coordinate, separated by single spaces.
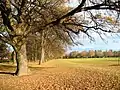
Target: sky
pixel 111 40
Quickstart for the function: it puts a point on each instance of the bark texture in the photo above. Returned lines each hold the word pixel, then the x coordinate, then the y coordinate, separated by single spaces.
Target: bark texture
pixel 21 59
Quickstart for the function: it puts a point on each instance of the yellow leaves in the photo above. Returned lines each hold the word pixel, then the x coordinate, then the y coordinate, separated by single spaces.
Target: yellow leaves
pixel 98 16
pixel 8 3
pixel 110 19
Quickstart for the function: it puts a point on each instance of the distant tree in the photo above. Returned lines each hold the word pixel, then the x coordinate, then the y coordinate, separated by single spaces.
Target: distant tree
pixel 66 55
pixel 52 46
pixel 33 48
pixel 91 53
pixel 99 53
pixel 105 53
pixel 73 54
pixel 118 53
pixel 115 53
pixel 118 57
pixel 79 55
pixel 110 53
pixel 84 54
pixel 4 53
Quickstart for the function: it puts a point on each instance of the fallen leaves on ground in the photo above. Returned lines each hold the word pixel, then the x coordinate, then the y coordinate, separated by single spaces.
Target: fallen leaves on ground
pixel 63 79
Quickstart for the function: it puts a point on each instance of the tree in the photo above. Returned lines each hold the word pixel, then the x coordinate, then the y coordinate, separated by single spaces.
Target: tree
pixel 110 53
pixel 53 45
pixel 105 53
pixel 33 47
pixel 115 53
pixel 73 54
pixel 84 54
pixel 91 53
pixel 19 17
pixel 99 54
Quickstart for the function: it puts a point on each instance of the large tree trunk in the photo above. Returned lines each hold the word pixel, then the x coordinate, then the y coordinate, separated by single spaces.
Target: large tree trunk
pixel 21 59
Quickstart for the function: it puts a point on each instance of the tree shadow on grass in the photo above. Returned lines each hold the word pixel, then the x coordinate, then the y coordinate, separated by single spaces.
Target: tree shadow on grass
pixel 115 65
pixel 40 68
pixel 7 66
pixel 112 60
pixel 9 73
pixel 7 69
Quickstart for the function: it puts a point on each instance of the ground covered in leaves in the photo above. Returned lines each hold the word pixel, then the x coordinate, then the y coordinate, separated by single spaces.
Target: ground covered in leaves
pixel 65 75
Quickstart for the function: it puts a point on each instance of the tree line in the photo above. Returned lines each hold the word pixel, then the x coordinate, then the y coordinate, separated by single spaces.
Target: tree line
pixel 4 52
pixel 33 50
pixel 93 54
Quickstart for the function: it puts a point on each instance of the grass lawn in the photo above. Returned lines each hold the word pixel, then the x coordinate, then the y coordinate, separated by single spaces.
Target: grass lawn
pixel 65 74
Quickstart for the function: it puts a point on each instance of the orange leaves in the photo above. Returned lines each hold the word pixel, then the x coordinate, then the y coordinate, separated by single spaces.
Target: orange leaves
pixel 110 19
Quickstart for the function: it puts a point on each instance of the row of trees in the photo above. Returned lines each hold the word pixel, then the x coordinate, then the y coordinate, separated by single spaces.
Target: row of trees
pixel 45 47
pixel 93 54
pixel 33 50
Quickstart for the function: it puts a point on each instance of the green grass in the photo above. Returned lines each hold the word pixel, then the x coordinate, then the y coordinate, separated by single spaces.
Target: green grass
pixel 97 62
pixel 73 63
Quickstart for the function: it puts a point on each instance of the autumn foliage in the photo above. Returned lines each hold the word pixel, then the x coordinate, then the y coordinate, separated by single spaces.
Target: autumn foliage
pixel 93 54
